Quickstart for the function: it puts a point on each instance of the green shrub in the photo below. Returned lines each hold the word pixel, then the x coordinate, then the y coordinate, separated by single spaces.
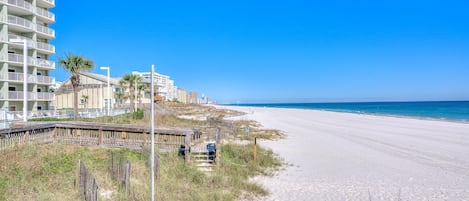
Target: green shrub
pixel 139 114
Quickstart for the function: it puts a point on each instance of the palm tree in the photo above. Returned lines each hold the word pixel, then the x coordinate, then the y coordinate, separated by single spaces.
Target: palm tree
pixel 74 64
pixel 130 80
pixel 119 96
pixel 85 100
pixel 140 88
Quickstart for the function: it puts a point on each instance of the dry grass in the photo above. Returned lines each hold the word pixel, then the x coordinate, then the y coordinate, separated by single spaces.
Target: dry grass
pixel 48 172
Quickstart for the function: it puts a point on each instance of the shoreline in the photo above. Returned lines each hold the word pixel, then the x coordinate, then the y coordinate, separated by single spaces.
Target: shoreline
pixel 349 156
pixel 358 113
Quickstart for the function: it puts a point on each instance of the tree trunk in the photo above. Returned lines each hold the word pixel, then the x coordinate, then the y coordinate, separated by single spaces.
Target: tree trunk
pixel 132 97
pixel 75 103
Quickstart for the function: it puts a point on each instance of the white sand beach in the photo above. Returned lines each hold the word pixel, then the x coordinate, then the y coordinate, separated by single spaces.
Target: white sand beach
pixel 343 156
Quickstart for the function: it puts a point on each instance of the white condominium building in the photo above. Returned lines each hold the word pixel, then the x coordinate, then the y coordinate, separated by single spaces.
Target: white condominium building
pixel 26 21
pixel 165 86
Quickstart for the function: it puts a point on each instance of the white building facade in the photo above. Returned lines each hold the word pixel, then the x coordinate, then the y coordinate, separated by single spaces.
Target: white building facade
pixel 165 86
pixel 26 20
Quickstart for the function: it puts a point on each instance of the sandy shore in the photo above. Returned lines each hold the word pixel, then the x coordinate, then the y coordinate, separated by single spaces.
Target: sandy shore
pixel 342 156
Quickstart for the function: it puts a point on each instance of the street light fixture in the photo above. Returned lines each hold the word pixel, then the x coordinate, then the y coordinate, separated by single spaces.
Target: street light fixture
pixel 25 76
pixel 108 89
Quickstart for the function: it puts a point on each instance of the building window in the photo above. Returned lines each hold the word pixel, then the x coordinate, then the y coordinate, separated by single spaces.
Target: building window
pixel 38 90
pixel 12 108
pixel 11 70
pixel 38 73
pixel 39 107
pixel 11 88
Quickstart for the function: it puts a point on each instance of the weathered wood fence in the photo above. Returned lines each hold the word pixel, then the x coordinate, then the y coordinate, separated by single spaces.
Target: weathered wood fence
pixel 96 134
pixel 120 170
pixel 87 185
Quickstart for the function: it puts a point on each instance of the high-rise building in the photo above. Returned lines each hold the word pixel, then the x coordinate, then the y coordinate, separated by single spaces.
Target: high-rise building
pixel 182 96
pixel 193 97
pixel 26 21
pixel 165 86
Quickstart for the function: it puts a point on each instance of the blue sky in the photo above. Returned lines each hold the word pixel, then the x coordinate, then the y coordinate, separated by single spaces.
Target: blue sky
pixel 278 51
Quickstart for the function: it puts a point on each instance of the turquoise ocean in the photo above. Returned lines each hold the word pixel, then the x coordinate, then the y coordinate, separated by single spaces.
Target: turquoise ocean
pixel 442 110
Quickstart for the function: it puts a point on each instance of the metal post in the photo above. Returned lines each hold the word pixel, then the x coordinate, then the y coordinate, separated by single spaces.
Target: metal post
pixel 108 91
pixel 152 132
pixel 217 146
pixel 25 82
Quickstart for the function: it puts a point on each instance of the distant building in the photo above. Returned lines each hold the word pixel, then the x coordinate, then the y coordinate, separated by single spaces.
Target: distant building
pixel 92 92
pixel 164 85
pixel 182 96
pixel 193 97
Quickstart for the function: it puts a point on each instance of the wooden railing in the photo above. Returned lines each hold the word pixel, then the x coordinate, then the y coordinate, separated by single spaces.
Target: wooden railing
pixel 96 134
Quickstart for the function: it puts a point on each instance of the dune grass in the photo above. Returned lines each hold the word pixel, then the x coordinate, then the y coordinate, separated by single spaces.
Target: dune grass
pixel 48 172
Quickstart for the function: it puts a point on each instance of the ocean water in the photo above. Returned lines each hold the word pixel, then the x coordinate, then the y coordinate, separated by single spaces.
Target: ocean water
pixel 443 110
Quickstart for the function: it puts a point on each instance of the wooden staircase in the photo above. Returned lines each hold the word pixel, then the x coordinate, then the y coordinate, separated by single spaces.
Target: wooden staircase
pixel 202 158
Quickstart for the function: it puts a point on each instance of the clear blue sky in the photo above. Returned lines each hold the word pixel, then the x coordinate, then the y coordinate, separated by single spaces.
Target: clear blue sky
pixel 278 51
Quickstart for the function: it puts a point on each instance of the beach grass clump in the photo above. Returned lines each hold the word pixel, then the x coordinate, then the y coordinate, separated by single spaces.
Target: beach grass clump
pixel 49 172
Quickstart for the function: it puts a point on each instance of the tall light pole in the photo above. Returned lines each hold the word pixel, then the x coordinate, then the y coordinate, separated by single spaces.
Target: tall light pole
pixel 25 76
pixel 108 88
pixel 152 132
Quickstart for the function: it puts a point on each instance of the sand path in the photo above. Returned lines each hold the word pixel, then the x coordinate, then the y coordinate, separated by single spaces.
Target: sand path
pixel 342 156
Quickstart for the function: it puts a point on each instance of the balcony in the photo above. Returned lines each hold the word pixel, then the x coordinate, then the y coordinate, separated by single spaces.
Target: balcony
pixel 45 47
pixel 44 96
pixel 45 15
pixel 46 3
pixel 40 46
pixel 18 59
pixel 19 6
pixel 20 24
pixel 45 64
pixel 30 42
pixel 18 95
pixel 45 31
pixel 18 77
pixel 40 79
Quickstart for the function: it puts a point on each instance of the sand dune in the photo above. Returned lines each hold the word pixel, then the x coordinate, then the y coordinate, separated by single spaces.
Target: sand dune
pixel 342 156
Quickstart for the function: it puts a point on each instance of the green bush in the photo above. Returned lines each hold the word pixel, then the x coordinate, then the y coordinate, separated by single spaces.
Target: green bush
pixel 139 114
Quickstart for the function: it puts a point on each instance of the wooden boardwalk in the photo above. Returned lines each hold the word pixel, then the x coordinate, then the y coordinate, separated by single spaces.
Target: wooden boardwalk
pixel 96 134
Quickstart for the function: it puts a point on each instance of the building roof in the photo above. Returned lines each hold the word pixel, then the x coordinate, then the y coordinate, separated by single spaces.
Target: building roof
pixel 102 78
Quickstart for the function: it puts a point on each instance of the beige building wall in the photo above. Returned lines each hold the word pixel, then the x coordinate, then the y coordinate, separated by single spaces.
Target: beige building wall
pixel 182 96
pixel 95 89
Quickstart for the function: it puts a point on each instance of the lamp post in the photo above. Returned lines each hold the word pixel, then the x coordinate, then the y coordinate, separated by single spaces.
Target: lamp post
pixel 25 76
pixel 152 132
pixel 108 89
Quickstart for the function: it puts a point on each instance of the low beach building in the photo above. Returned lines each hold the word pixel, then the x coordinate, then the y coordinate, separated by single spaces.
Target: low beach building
pixel 92 93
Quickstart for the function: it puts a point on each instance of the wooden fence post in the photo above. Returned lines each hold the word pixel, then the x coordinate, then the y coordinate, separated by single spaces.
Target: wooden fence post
pixel 25 138
pixel 127 176
pixel 217 146
pixel 255 148
pixel 187 147
pixel 100 137
pixel 157 167
pixel 54 135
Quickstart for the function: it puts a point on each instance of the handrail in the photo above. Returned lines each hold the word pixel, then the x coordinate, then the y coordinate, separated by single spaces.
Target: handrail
pixel 21 4
pixel 21 22
pixel 45 13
